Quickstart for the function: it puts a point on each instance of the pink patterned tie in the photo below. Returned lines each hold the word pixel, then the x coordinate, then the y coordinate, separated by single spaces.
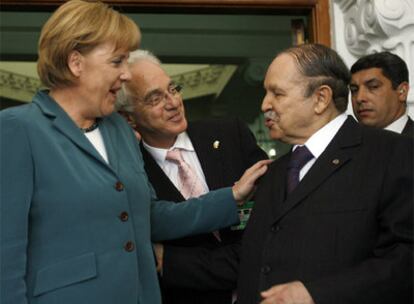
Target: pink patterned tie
pixel 190 184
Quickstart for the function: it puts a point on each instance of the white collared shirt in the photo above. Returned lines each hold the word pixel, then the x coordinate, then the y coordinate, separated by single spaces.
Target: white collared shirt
pixel 318 142
pixel 170 168
pixel 398 125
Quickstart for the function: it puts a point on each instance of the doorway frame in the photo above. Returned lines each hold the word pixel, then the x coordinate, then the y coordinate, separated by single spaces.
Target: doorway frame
pixel 317 10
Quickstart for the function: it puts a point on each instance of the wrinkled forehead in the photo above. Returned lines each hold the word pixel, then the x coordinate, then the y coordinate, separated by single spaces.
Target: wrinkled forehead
pixel 282 69
pixel 367 75
pixel 147 76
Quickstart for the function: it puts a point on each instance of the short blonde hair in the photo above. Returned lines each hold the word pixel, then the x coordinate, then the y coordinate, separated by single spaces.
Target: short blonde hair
pixel 81 26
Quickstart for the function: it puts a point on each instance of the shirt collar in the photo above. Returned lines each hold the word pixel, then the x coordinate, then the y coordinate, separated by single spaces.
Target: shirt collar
pixel 159 154
pixel 398 125
pixel 318 142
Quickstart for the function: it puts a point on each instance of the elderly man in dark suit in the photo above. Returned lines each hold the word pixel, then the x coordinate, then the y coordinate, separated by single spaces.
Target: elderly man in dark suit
pixel 338 228
pixel 379 89
pixel 218 151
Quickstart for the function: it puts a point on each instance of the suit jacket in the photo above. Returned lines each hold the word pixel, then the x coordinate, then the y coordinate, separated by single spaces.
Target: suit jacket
pixel 75 229
pixel 222 166
pixel 409 128
pixel 346 231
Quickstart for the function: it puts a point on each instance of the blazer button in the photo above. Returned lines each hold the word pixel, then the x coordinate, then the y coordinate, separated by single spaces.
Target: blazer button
pixel 124 216
pixel 129 246
pixel 275 228
pixel 265 269
pixel 119 186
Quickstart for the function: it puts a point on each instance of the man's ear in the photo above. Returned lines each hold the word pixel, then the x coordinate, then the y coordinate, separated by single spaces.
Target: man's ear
pixel 75 63
pixel 323 98
pixel 402 91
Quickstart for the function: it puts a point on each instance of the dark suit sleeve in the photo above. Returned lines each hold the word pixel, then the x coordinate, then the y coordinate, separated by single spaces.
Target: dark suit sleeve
pixel 387 276
pixel 201 268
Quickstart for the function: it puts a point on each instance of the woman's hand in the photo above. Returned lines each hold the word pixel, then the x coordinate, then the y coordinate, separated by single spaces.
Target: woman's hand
pixel 244 189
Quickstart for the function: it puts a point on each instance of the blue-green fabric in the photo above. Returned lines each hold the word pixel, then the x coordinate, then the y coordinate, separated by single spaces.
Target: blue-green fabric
pixel 62 239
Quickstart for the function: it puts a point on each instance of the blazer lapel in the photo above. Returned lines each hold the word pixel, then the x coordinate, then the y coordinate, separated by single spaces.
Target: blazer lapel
pixel 408 128
pixel 208 155
pixel 65 125
pixel 278 185
pixel 339 152
pixel 159 180
pixel 111 143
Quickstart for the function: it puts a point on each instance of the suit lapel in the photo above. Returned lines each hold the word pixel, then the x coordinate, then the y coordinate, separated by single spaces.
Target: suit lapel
pixel 338 153
pixel 409 128
pixel 278 185
pixel 160 181
pixel 209 156
pixel 111 143
pixel 65 125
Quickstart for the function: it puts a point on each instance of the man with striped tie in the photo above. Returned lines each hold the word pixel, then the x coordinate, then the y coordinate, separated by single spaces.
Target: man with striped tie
pixel 187 160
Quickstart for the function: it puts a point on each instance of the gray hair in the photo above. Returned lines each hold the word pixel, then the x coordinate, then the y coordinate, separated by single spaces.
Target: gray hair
pixel 124 101
pixel 322 65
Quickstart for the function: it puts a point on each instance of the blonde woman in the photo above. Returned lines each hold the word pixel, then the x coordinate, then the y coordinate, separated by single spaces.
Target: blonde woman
pixel 77 210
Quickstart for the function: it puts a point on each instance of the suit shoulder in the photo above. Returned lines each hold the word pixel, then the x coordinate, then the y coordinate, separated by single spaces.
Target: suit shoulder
pixel 19 114
pixel 382 143
pixel 381 135
pixel 277 165
pixel 221 125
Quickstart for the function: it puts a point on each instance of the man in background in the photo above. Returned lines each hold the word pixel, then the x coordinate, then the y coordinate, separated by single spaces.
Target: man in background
pixel 217 152
pixel 379 89
pixel 338 227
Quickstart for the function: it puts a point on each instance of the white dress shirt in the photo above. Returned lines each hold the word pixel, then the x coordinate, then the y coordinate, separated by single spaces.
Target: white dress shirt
pixel 182 142
pixel 398 125
pixel 95 137
pixel 318 142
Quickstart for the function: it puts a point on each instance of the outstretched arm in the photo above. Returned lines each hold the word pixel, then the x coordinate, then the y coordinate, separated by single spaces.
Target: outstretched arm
pixel 209 212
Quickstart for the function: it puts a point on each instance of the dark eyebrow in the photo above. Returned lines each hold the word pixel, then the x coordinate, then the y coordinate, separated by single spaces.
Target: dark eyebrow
pixel 368 82
pixel 372 81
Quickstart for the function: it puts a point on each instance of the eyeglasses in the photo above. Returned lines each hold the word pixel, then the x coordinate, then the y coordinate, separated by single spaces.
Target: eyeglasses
pixel 157 96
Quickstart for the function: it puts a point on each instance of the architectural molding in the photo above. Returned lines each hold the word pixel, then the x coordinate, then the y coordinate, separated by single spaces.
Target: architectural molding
pixel 17 86
pixel 206 81
pixel 371 26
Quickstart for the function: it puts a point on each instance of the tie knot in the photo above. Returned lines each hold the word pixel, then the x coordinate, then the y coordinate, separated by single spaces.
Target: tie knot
pixel 175 156
pixel 300 157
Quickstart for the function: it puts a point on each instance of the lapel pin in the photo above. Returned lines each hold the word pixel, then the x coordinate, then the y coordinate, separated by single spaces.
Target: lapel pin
pixel 335 161
pixel 216 144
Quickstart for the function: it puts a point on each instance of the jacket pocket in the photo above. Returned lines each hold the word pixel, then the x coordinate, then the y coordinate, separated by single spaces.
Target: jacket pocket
pixel 64 273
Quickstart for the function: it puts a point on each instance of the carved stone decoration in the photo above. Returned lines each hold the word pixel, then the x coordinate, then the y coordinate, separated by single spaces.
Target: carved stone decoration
pixel 206 81
pixel 380 25
pixel 18 87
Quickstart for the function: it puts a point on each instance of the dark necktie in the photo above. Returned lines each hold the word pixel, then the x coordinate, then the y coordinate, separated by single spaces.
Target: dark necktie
pixel 298 159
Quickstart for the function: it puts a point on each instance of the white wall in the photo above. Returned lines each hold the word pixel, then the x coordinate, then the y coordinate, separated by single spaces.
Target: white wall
pixel 361 27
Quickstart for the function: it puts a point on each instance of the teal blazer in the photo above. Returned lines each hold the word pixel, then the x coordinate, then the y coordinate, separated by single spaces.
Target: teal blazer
pixel 75 229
